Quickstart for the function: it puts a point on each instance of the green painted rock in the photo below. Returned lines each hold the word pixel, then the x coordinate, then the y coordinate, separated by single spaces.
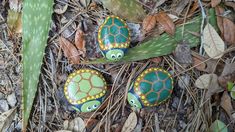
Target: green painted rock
pixel 151 88
pixel 113 38
pixel 85 89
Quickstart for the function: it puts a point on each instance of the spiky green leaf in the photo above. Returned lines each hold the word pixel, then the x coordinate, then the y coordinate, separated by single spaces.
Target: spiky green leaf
pixel 36 22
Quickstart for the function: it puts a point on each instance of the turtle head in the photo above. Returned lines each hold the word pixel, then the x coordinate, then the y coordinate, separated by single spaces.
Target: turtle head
pixel 89 106
pixel 114 54
pixel 133 99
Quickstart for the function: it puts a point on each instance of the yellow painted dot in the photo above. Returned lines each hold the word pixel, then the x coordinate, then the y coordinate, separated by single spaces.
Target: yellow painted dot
pixel 92 97
pixel 97 96
pixel 142 97
pixel 83 100
pixel 79 102
pixel 101 94
pixel 145 101
pixel 88 98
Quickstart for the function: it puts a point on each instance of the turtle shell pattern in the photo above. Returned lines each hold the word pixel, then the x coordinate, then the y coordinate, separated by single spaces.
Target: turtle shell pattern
pixel 84 85
pixel 113 33
pixel 153 86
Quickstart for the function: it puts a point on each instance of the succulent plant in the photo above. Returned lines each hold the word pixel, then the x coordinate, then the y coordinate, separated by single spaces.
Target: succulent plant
pixel 36 23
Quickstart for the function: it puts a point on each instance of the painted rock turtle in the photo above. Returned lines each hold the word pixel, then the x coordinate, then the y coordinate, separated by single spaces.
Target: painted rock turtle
pixel 152 87
pixel 85 89
pixel 113 38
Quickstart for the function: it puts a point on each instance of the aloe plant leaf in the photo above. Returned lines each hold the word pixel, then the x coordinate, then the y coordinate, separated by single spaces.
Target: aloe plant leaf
pixel 128 9
pixel 36 22
pixel 159 46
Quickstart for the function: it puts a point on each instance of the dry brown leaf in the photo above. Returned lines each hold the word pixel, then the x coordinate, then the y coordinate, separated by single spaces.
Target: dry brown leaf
pixel 226 26
pixel 201 67
pixel 80 41
pixel 226 104
pixel 229 31
pixel 228 75
pixel 149 23
pixel 130 123
pixel 166 22
pixel 213 44
pixel 206 66
pixel 214 3
pixel 213 87
pixel 6 119
pixel 70 51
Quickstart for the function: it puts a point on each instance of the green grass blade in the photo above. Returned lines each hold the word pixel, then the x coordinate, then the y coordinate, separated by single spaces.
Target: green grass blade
pixel 163 45
pixel 36 22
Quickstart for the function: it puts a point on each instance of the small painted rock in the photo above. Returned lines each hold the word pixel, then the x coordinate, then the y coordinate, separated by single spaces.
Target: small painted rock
pixel 85 89
pixel 152 87
pixel 113 38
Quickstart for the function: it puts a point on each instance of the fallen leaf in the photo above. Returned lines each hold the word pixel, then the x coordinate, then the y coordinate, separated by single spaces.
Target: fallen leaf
pixel 182 54
pixel 213 87
pixel 218 126
pixel 6 119
pixel 130 123
pixel 201 64
pixel 213 44
pixel 229 31
pixel 226 26
pixel 70 51
pixel 165 21
pixel 214 3
pixel 149 23
pixel 228 75
pixel 75 125
pixel 226 104
pixel 204 81
pixel 201 67
pixel 80 41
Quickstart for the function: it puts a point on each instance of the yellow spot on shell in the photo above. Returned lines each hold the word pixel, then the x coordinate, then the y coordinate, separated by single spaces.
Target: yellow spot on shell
pixel 79 102
pixel 142 97
pixel 83 100
pixel 97 96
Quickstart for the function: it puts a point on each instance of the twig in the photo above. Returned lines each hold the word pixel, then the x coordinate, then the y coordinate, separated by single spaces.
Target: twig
pixel 202 25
